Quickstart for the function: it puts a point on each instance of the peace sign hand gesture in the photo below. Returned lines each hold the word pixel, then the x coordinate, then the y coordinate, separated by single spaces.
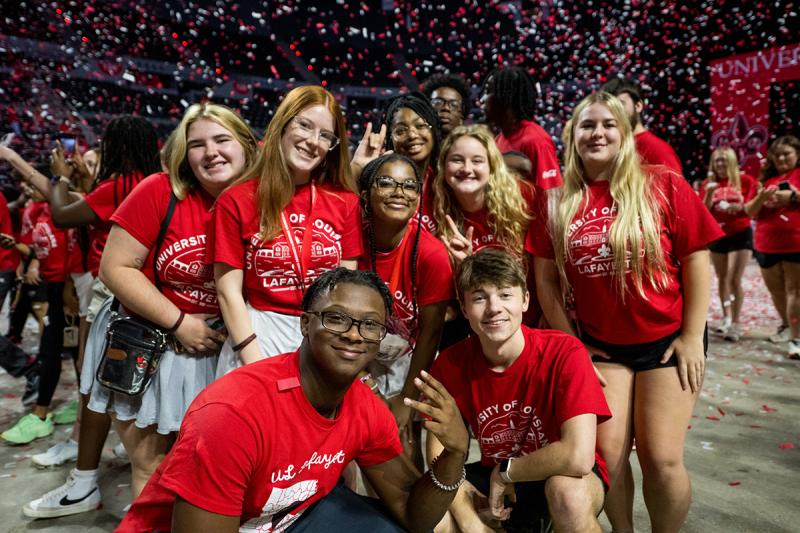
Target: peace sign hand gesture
pixel 459 245
pixel 444 418
pixel 370 147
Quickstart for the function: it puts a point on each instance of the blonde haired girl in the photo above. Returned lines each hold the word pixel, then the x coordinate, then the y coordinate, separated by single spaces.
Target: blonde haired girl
pixel 628 243
pixel 725 192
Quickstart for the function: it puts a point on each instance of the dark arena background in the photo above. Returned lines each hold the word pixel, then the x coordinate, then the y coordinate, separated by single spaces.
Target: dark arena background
pixel 73 65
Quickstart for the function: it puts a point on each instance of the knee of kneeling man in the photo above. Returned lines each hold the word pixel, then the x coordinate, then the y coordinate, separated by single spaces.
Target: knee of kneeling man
pixel 566 495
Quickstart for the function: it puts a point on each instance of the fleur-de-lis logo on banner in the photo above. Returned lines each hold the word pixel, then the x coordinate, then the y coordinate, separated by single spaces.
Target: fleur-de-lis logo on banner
pixel 746 140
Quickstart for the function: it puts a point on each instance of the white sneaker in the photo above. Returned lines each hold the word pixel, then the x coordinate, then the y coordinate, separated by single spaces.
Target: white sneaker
pixel 794 349
pixel 734 333
pixel 120 452
pixel 783 334
pixel 722 327
pixel 58 454
pixel 58 503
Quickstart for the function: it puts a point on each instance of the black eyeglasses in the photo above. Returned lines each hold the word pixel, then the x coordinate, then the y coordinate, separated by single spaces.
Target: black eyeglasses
pixel 440 103
pixel 386 185
pixel 370 330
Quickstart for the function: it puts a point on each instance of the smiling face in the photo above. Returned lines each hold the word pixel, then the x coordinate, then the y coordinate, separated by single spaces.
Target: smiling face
pixel 720 165
pixel 388 202
pixel 495 313
pixel 341 356
pixel 214 154
pixel 411 135
pixel 302 152
pixel 597 140
pixel 466 167
pixel 785 157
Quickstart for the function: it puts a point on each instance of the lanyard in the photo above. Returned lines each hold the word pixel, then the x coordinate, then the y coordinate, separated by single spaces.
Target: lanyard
pixel 394 278
pixel 301 258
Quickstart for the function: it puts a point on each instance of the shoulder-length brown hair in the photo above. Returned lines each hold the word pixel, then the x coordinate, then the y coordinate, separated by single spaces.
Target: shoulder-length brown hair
pixel 275 185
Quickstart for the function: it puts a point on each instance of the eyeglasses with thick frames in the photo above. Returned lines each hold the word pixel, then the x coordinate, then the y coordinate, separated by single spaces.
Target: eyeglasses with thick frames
pixel 440 103
pixel 306 129
pixel 386 185
pixel 337 322
pixel 401 132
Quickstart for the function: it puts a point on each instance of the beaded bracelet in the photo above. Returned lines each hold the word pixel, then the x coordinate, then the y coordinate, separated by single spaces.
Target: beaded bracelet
pixel 244 343
pixel 441 486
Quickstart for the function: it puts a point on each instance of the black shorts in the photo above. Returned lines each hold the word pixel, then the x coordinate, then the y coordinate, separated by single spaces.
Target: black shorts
pixel 639 357
pixel 37 293
pixel 531 505
pixel 770 260
pixel 733 243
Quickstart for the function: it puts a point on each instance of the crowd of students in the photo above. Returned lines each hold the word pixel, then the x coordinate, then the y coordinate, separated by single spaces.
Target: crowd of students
pixel 338 280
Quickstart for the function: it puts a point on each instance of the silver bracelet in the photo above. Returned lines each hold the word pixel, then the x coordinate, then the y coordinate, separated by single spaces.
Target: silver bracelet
pixel 441 486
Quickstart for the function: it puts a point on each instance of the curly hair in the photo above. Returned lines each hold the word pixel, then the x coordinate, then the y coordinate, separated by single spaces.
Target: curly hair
pixel 508 213
pixel 453 81
pixel 331 278
pixel 419 104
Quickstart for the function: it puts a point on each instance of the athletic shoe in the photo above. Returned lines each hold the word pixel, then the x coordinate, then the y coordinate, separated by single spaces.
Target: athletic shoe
pixel 58 454
pixel 29 428
pixel 67 413
pixel 734 333
pixel 120 452
pixel 58 503
pixel 783 334
pixel 722 327
pixel 31 393
pixel 794 349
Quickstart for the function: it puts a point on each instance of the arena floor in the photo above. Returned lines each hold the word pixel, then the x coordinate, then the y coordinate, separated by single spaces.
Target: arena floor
pixel 743 449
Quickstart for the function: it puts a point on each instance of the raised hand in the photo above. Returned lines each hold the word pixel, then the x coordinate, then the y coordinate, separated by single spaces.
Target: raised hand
pixel 370 147
pixel 444 419
pixel 459 246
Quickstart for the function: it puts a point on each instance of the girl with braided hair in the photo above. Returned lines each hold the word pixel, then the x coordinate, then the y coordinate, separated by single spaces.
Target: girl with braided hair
pixel 417 270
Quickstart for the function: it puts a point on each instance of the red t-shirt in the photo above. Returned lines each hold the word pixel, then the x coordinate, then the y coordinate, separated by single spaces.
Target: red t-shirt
pixel 687 226
pixel 9 259
pixel 778 228
pixel 521 410
pixel 534 142
pixel 434 277
pixel 270 273
pixel 251 445
pixel 185 278
pixel 655 151
pixel 734 223
pixel 104 200
pixel 426 206
pixel 50 244
pixel 28 218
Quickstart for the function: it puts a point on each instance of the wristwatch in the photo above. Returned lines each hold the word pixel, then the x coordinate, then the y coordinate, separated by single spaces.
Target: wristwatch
pixel 505 465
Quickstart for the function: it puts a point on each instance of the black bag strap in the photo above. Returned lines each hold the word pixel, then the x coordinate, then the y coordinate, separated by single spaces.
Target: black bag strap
pixel 162 232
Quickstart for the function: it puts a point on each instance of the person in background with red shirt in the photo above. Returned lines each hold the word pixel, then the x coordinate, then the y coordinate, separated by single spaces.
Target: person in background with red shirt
pixel 509 104
pixel 263 448
pixel 628 245
pixel 777 236
pixel 531 398
pixel 725 192
pixel 50 245
pixel 416 267
pixel 293 216
pixel 651 149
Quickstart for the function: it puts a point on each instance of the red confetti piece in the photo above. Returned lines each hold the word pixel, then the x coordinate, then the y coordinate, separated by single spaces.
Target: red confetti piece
pixel 716 418
pixel 735 483
pixel 721 411
pixel 786 446
pixel 767 409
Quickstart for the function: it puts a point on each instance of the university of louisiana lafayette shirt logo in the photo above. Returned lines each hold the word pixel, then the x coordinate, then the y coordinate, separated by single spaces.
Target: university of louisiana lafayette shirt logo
pixel 182 266
pixel 510 430
pixel 589 248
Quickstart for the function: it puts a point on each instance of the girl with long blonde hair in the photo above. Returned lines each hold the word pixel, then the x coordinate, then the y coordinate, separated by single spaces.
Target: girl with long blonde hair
pixel 725 192
pixel 293 216
pixel 626 244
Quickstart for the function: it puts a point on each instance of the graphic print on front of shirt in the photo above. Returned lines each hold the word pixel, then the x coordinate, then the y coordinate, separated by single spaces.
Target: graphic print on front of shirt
pixel 181 265
pixel 276 514
pixel 509 430
pixel 589 249
pixel 273 262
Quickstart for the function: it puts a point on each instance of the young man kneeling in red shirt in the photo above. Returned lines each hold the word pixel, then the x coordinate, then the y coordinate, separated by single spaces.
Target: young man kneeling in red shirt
pixel 532 400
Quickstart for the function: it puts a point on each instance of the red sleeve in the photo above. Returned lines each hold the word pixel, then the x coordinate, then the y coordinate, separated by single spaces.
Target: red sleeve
pixel 384 441
pixel 103 200
pixel 538 241
pixel 351 234
pixel 226 222
pixel 579 391
pixel 8 258
pixel 749 187
pixel 689 222
pixel 435 271
pixel 212 462
pixel 141 213
pixel 546 170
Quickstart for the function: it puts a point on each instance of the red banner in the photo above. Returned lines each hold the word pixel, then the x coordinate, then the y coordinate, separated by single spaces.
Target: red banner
pixel 740 100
